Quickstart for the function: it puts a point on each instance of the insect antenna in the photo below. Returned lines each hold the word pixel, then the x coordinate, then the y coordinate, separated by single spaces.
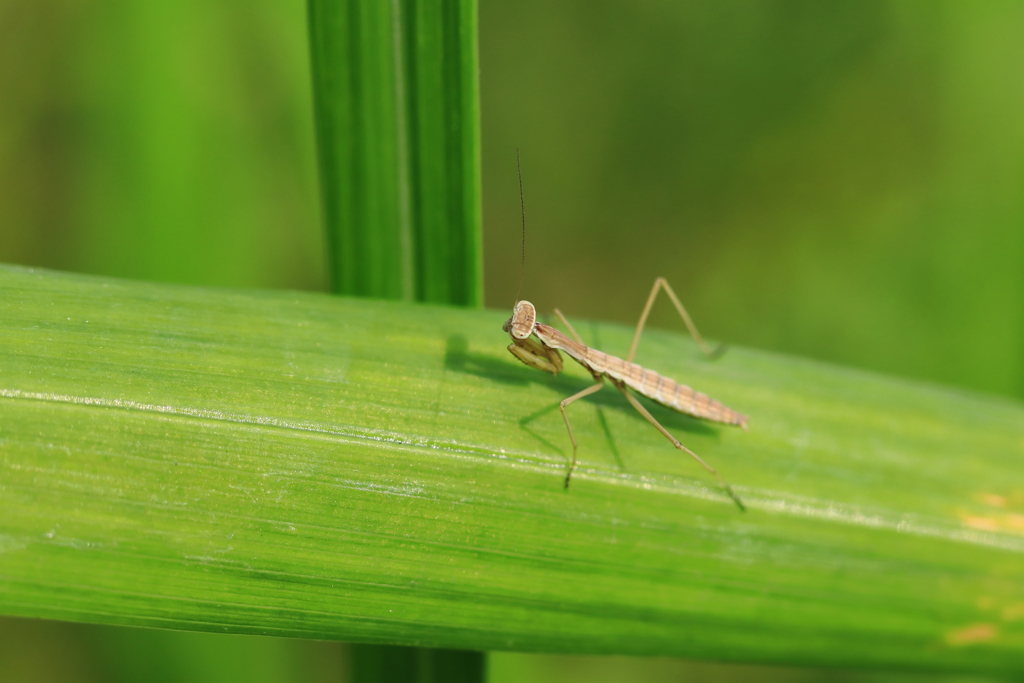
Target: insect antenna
pixel 522 208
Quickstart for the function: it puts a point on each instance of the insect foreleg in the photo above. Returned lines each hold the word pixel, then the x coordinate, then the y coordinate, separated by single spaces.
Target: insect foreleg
pixel 537 355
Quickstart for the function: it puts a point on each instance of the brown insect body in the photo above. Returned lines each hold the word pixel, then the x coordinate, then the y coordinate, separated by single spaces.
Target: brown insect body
pixel 664 390
pixel 623 374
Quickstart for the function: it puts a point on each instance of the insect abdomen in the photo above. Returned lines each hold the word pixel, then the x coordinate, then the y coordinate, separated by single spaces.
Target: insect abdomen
pixel 649 383
pixel 686 400
pixel 671 393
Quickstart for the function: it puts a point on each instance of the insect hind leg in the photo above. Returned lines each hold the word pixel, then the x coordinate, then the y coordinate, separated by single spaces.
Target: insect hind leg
pixel 662 283
pixel 675 442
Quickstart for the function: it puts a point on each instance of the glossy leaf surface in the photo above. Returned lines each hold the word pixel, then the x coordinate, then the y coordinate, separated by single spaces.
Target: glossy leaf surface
pixel 298 464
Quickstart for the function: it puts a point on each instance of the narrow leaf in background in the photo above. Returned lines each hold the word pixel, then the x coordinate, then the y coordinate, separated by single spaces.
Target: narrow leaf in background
pixel 397 113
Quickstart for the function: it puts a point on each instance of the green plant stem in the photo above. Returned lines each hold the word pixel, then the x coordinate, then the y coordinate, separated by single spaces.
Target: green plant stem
pixel 393 664
pixel 299 464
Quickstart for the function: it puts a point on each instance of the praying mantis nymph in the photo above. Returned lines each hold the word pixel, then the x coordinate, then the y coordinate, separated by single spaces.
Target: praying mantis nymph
pixel 623 374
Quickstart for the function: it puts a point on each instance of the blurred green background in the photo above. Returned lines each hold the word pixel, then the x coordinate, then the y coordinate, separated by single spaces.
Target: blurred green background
pixel 838 180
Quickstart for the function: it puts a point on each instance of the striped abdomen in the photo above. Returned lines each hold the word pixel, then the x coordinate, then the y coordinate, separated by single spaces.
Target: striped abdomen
pixel 657 387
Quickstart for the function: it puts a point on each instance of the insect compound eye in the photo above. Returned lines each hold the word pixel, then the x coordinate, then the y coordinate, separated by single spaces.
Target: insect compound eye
pixel 523 320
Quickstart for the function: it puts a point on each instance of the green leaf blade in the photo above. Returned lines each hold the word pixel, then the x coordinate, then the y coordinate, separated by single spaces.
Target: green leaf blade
pixel 296 464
